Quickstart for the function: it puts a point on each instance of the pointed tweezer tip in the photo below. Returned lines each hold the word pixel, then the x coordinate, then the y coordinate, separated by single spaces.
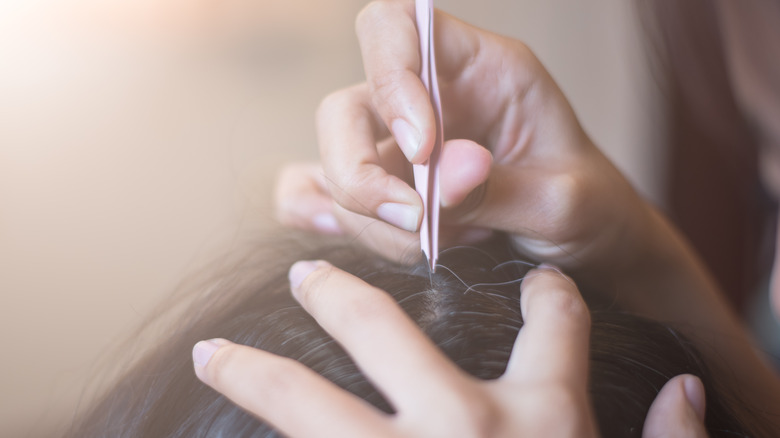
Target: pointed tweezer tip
pixel 431 262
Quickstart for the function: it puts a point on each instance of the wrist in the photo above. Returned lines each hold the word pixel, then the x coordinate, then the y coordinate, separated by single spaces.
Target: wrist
pixel 654 271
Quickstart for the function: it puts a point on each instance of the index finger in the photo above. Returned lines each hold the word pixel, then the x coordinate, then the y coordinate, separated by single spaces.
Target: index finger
pixel 384 342
pixel 553 344
pixel 347 132
pixel 390 47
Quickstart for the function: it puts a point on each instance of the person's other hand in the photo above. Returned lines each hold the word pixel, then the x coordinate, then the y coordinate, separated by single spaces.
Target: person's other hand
pixel 678 410
pixel 542 393
pixel 516 160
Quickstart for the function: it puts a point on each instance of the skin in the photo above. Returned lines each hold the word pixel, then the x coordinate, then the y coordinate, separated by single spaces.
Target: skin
pixel 519 162
pixel 433 396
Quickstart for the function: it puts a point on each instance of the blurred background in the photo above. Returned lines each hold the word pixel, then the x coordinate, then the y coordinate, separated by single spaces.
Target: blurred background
pixel 140 138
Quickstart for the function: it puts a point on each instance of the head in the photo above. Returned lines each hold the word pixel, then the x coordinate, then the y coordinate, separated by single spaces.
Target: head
pixel 470 308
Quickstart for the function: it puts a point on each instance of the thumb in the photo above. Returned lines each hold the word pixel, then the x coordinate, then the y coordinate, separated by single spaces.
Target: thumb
pixel 678 410
pixel 465 165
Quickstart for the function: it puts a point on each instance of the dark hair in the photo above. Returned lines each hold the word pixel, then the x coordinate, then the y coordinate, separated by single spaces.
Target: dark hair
pixel 470 309
pixel 713 189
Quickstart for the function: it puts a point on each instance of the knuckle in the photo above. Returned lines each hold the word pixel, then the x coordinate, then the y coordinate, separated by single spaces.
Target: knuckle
pixel 561 192
pixel 569 403
pixel 558 395
pixel 336 102
pixel 519 54
pixel 287 215
pixel 283 212
pixel 287 181
pixel 362 187
pixel 564 198
pixel 481 419
pixel 296 191
pixel 386 84
pixel 294 171
pixel 348 103
pixel 281 198
pixel 471 413
pixel 288 174
pixel 389 84
pixel 525 55
pixel 370 16
pixel 369 176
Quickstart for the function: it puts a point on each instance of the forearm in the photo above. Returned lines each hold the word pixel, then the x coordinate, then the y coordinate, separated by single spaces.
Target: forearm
pixel 666 281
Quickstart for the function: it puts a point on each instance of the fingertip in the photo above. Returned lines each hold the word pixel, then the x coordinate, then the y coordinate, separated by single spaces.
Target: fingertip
pixel 412 125
pixel 389 43
pixel 404 216
pixel 551 269
pixel 409 139
pixel 549 275
pixel 202 353
pixel 327 223
pixel 299 271
pixel 694 392
pixel 556 329
pixel 465 165
pixel 679 407
pixel 556 293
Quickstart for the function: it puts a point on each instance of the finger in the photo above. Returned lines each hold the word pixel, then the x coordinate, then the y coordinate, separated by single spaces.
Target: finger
pixel 466 59
pixel 382 238
pixel 347 130
pixel 464 165
pixel 678 410
pixel 552 345
pixel 389 348
pixel 283 392
pixel 542 209
pixel 393 161
pixel 390 46
pixel 398 245
pixel 386 240
pixel 302 200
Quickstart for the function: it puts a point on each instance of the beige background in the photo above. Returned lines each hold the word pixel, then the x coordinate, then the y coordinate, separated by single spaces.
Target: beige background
pixel 139 139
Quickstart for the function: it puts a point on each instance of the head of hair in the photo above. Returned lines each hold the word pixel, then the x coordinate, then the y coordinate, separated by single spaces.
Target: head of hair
pixel 470 308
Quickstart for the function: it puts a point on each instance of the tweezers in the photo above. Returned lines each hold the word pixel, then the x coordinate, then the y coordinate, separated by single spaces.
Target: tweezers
pixel 426 175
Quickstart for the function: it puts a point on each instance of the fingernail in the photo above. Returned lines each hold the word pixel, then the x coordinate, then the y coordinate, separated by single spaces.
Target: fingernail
pixel 402 216
pixel 407 137
pixel 549 267
pixel 299 271
pixel 202 352
pixel 694 392
pixel 326 223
